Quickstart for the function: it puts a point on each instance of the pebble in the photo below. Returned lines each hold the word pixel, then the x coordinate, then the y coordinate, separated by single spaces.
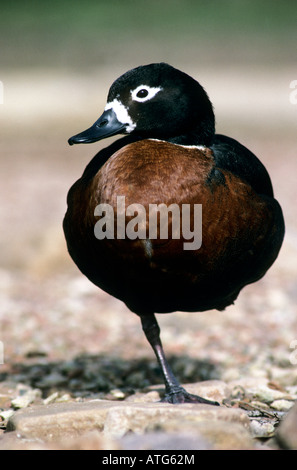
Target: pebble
pixel 56 397
pixel 139 397
pixel 262 429
pixel 267 395
pixel 118 394
pixel 26 398
pixel 282 405
pixel 5 415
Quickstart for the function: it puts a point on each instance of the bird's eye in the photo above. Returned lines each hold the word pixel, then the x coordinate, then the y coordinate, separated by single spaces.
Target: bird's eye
pixel 142 93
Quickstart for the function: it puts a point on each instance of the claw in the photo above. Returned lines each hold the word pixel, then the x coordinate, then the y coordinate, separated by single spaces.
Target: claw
pixel 180 395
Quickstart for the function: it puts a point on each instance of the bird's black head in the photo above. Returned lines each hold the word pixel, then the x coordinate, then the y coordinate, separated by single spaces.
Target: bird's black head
pixel 155 101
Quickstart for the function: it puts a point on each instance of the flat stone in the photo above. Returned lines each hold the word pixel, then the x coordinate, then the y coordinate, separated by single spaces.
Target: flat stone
pixel 140 418
pixel 225 436
pixel 160 440
pixel 196 435
pixel 89 441
pixel 53 421
pixel 9 441
pixel 115 419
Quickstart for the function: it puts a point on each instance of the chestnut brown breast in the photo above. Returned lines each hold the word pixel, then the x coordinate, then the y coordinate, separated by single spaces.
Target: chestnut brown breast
pixel 239 230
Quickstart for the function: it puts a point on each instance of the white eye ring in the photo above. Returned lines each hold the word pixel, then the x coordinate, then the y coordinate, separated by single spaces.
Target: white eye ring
pixel 151 92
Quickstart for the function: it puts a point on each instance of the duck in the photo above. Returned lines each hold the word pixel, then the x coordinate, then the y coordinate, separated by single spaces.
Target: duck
pixel 224 226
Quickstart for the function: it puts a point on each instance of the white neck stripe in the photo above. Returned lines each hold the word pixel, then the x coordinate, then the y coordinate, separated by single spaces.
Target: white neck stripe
pixel 198 147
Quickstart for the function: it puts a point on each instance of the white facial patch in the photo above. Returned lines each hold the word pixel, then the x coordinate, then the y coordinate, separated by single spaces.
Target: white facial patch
pixel 121 113
pixel 144 93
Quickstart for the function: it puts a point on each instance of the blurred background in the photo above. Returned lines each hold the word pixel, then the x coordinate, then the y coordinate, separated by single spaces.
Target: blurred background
pixel 57 62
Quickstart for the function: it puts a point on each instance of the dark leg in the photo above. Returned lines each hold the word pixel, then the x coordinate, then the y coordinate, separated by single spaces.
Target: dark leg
pixel 174 392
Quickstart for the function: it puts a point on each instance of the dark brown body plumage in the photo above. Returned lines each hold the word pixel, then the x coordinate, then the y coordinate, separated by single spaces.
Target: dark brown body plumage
pixel 239 231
